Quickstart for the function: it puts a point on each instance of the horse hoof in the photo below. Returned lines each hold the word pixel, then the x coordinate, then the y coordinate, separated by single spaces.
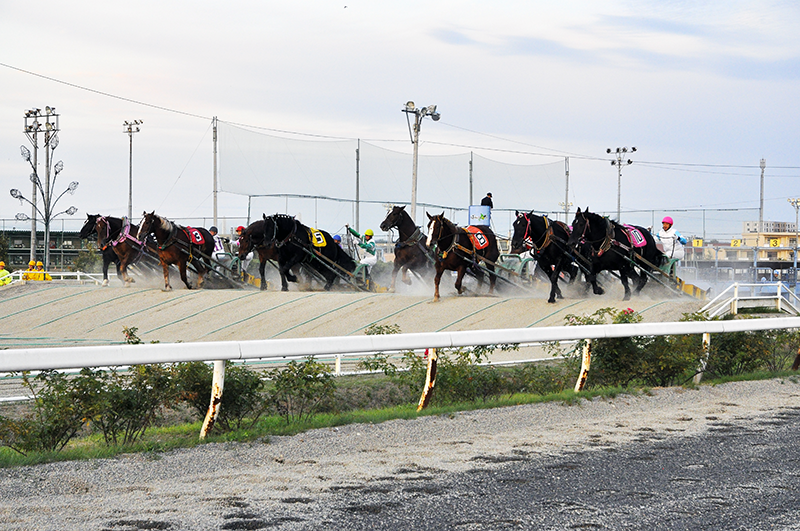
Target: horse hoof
pixel 551 301
pixel 105 283
pixel 407 281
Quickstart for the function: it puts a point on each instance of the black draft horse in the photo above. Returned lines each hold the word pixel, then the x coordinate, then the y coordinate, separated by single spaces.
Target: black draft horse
pixel 410 251
pixel 176 246
pixel 615 247
pixel 456 251
pixel 298 245
pixel 118 234
pixel 547 241
pixel 109 256
pixel 255 237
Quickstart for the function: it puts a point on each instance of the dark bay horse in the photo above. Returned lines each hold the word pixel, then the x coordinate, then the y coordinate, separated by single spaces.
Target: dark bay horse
pixel 109 256
pixel 547 241
pixel 457 250
pixel 176 245
pixel 118 234
pixel 297 244
pixel 615 247
pixel 254 237
pixel 410 251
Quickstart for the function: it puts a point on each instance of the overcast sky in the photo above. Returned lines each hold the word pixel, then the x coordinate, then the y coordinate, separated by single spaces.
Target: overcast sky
pixel 704 90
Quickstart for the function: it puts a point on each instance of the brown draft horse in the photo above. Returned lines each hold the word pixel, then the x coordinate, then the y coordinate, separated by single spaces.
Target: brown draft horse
pixel 456 251
pixel 255 237
pixel 118 234
pixel 410 251
pixel 175 246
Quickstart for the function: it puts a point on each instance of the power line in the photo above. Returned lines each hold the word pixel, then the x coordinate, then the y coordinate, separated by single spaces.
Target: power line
pixel 676 165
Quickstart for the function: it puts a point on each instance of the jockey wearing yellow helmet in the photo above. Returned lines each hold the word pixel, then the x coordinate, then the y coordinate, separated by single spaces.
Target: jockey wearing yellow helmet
pixel 366 243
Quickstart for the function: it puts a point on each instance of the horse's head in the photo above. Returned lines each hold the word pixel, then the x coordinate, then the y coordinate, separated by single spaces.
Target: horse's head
pixel 148 224
pixel 89 226
pixel 522 228
pixel 393 218
pixel 437 228
pixel 103 229
pixel 581 227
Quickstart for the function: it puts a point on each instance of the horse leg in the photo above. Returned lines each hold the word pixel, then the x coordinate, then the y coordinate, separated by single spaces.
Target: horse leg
pixel 555 291
pixel 261 271
pixel 201 274
pixel 394 275
pixel 437 278
pixel 641 283
pixel 597 290
pixel 106 262
pixel 165 268
pixel 182 268
pixel 460 277
pixel 492 278
pixel 623 275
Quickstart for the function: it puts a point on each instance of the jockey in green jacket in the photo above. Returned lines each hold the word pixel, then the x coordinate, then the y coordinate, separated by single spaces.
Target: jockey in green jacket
pixel 366 243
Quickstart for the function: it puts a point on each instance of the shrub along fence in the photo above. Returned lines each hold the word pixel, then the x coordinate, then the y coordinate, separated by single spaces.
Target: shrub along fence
pixel 48 359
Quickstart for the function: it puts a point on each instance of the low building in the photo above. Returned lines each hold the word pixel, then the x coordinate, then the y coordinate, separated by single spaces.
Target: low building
pixel 64 248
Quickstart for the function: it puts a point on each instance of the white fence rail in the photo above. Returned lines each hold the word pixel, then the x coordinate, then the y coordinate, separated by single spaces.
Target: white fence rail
pixel 76 276
pixel 773 295
pixel 277 349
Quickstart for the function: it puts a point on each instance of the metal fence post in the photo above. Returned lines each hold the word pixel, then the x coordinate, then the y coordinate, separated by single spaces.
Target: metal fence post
pixel 704 359
pixel 586 361
pixel 217 384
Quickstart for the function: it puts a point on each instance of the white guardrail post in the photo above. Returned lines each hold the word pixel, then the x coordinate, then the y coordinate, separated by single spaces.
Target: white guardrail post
pixel 217 384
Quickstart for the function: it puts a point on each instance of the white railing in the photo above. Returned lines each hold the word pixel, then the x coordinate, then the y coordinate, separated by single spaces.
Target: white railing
pixel 281 349
pixel 77 276
pixel 774 295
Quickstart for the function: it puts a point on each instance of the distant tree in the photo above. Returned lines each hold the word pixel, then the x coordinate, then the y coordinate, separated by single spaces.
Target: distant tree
pixel 88 260
pixel 4 248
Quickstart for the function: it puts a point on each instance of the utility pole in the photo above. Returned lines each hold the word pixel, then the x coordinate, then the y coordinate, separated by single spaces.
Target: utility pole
pixel 358 183
pixel 566 204
pixel 761 204
pixel 795 202
pixel 619 163
pixel 214 127
pixel 419 114
pixel 131 128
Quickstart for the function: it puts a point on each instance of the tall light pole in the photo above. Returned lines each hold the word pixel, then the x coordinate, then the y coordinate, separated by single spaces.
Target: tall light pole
pixel 50 144
pixel 32 128
pixel 419 114
pixel 619 163
pixel 131 128
pixel 795 202
pixel 761 203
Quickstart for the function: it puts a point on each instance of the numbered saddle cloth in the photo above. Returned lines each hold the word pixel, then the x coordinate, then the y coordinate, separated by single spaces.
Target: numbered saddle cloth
pixel 635 236
pixel 317 238
pixel 195 235
pixel 478 238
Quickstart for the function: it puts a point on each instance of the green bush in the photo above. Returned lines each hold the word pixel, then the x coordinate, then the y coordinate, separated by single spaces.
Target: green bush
pixel 56 416
pixel 648 360
pixel 89 259
pixel 243 401
pixel 300 390
pixel 540 379
pixel 123 405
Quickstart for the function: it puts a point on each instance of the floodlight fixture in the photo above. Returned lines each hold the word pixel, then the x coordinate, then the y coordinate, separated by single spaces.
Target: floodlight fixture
pixel 22 217
pixel 71 210
pixel 619 162
pixel 59 166
pixel 16 194
pixel 25 152
pixel 72 187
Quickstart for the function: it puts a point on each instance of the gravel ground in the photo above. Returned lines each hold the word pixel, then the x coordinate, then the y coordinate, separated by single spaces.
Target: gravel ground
pixel 375 476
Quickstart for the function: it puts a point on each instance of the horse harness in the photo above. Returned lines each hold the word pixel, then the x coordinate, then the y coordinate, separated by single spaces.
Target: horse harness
pixel 547 237
pixel 608 239
pixel 124 234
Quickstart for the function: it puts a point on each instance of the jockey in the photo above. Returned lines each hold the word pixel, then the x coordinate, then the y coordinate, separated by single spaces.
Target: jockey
pixel 5 276
pixel 220 255
pixel 366 243
pixel 337 239
pixel 671 240
pixel 235 249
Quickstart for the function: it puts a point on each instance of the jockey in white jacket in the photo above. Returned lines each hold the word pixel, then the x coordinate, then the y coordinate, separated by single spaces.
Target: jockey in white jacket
pixel 671 240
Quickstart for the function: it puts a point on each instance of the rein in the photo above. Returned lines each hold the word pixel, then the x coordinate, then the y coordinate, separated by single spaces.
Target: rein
pixel 454 245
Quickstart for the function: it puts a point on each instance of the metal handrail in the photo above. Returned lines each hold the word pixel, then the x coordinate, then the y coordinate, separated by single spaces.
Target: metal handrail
pixel 722 303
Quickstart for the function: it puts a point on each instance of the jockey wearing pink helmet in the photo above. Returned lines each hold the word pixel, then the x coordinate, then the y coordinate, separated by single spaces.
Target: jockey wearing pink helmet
pixel 671 239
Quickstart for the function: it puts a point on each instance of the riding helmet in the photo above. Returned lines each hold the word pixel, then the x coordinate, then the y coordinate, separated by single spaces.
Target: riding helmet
pixel 668 219
pixel 369 232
